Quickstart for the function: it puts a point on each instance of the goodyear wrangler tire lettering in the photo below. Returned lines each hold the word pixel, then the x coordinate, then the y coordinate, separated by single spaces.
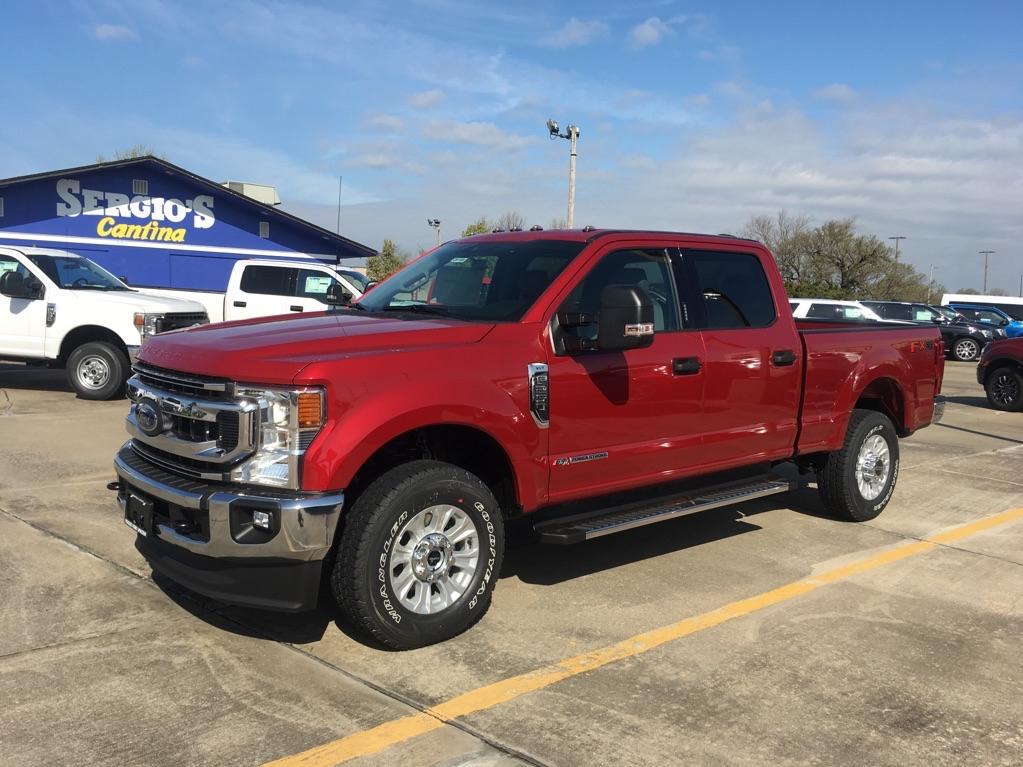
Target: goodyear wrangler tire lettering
pixel 418 555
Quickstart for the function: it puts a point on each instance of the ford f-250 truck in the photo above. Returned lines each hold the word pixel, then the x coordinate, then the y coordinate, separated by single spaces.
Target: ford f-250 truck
pixel 588 381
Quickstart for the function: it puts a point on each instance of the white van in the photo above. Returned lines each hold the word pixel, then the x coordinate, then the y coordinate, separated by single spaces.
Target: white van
pixel 58 308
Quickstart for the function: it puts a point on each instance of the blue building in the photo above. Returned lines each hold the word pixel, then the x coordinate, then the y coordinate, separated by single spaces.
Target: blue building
pixel 157 224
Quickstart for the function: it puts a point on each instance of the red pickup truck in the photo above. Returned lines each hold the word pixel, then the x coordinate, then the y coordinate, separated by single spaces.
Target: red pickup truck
pixel 590 381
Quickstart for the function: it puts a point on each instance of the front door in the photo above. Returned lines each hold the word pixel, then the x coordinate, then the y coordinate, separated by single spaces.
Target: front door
pixel 623 419
pixel 263 290
pixel 22 320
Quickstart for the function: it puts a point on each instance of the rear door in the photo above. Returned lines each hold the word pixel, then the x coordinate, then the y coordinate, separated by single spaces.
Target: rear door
pixel 22 320
pixel 752 359
pixel 260 291
pixel 622 419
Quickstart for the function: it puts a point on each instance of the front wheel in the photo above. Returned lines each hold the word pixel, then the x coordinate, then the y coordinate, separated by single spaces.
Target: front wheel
pixel 965 349
pixel 1004 389
pixel 857 481
pixel 419 555
pixel 97 370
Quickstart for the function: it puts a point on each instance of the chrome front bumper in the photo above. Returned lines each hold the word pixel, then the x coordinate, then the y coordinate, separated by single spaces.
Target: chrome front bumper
pixel 305 523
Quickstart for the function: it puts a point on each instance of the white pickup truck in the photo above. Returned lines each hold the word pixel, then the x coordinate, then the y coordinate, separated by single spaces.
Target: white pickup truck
pixel 262 288
pixel 59 308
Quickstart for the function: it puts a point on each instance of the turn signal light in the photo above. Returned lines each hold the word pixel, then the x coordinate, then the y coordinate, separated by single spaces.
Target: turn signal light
pixel 310 410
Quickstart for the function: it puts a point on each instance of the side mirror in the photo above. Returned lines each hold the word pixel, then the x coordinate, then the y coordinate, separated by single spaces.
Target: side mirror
pixel 625 320
pixel 14 285
pixel 372 284
pixel 336 295
pixel 939 320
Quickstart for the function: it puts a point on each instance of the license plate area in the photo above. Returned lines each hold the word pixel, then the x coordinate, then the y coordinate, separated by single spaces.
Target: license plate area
pixel 138 514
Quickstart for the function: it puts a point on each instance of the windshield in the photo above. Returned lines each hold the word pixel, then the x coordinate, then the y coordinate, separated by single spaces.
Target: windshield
pixel 493 281
pixel 361 280
pixel 77 273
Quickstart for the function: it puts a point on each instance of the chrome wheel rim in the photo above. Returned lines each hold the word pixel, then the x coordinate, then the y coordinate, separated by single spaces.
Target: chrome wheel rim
pixel 93 372
pixel 872 466
pixel 1004 389
pixel 966 349
pixel 433 559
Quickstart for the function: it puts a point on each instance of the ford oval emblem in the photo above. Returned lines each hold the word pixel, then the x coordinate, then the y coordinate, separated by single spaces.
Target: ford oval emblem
pixel 148 417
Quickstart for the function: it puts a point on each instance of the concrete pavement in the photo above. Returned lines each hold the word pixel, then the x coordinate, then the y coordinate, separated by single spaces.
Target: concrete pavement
pixel 915 662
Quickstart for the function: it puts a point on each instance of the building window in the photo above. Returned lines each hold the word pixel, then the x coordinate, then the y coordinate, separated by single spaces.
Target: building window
pixel 264 229
pixel 140 186
pixel 1 207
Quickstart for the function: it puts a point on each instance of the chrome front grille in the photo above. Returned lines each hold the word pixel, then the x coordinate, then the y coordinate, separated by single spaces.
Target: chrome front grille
pixel 178 320
pixel 172 381
pixel 190 424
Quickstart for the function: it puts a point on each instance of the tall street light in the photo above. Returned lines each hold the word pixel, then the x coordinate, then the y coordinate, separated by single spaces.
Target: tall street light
pixel 930 283
pixel 435 223
pixel 985 253
pixel 572 134
pixel 897 238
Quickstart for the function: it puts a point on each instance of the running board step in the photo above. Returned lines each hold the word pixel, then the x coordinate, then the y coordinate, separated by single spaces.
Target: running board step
pixel 582 527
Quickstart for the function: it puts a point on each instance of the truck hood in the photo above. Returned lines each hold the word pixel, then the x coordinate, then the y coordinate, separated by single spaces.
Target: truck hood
pixel 135 300
pixel 274 350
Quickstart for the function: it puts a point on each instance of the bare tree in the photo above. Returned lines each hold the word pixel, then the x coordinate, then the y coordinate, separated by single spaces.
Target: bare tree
pixel 511 220
pixel 132 152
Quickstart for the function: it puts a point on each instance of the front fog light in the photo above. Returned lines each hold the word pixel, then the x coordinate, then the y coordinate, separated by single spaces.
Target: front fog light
pixel 261 519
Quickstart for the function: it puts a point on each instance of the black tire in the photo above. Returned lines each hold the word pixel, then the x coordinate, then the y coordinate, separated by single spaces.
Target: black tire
pixel 965 349
pixel 364 575
pixel 97 370
pixel 1004 387
pixel 837 481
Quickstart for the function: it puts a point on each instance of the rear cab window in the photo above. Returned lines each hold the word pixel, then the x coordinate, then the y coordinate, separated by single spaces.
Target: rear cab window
pixel 267 280
pixel 732 288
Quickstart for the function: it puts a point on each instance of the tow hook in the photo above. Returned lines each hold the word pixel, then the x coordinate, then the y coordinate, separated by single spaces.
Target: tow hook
pixel 115 486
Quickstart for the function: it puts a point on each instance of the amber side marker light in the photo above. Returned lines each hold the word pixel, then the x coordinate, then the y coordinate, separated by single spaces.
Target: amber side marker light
pixel 310 410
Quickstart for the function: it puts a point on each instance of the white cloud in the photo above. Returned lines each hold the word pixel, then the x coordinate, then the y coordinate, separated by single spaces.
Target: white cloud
pixel 385 122
pixel 480 133
pixel 426 99
pixel 649 32
pixel 835 92
pixel 576 33
pixel 113 33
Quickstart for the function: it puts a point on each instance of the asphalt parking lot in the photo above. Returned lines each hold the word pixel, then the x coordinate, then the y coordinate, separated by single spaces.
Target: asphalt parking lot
pixel 762 634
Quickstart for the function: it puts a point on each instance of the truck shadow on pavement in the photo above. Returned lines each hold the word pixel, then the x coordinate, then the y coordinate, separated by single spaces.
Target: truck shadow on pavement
pixel 525 559
pixel 33 378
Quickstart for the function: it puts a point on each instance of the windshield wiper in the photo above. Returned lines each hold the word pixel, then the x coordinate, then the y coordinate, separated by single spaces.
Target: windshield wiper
pixel 442 311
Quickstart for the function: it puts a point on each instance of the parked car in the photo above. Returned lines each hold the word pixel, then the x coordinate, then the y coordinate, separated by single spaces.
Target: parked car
pixel 831 309
pixel 588 380
pixel 62 309
pixel 262 288
pixel 990 316
pixel 1000 372
pixel 963 341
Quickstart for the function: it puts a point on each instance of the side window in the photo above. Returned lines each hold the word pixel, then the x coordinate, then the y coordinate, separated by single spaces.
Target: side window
pixel 8 264
pixel 312 284
pixel 267 280
pixel 834 312
pixel 898 312
pixel 646 269
pixel 923 313
pixel 735 290
pixel 793 305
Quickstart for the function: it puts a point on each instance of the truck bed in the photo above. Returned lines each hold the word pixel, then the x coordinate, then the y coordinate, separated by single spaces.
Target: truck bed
pixel 840 355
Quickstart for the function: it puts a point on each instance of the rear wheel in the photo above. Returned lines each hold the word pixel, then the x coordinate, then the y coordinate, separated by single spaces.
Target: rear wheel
pixel 1004 389
pixel 419 555
pixel 857 481
pixel 965 349
pixel 97 370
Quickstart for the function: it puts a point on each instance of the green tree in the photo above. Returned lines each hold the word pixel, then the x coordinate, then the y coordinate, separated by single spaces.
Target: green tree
pixel 385 263
pixel 834 261
pixel 480 226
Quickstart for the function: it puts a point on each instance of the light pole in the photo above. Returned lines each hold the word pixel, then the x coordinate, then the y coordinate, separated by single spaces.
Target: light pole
pixel 930 284
pixel 897 238
pixel 572 134
pixel 435 223
pixel 985 253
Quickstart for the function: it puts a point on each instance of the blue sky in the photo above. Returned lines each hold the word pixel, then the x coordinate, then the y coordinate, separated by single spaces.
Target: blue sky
pixel 907 115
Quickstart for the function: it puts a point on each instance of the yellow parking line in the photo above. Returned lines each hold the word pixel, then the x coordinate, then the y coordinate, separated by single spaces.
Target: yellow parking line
pixel 398 730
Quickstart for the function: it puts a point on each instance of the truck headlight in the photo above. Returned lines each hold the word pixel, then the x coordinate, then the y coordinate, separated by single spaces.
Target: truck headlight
pixel 145 324
pixel 288 421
